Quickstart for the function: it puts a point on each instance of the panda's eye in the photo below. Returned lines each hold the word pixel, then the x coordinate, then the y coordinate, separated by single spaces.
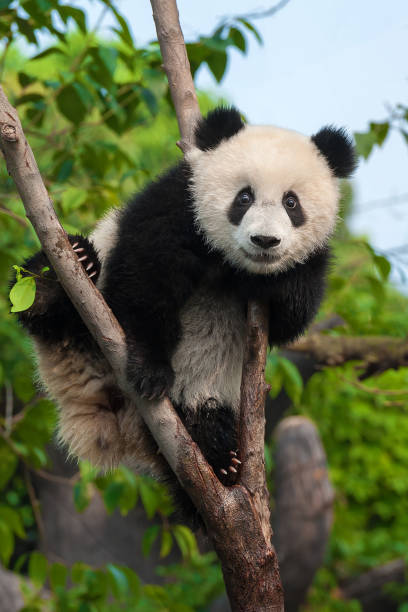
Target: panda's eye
pixel 245 196
pixel 290 200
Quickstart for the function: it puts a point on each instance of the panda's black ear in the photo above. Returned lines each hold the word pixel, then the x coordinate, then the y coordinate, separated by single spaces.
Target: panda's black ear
pixel 337 147
pixel 220 123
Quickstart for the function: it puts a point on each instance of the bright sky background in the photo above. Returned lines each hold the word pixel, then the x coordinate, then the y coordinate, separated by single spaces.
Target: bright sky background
pixel 322 61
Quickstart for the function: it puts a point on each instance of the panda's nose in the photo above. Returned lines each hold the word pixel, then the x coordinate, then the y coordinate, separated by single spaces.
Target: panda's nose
pixel 265 242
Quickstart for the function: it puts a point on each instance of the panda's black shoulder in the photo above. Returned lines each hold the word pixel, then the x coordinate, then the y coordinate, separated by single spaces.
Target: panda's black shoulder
pixel 220 124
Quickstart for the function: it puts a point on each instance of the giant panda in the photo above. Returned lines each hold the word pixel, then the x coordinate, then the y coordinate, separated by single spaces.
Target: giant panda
pixel 246 215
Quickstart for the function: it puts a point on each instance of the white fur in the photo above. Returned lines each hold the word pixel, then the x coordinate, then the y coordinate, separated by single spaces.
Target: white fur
pixel 208 360
pixel 272 161
pixel 104 238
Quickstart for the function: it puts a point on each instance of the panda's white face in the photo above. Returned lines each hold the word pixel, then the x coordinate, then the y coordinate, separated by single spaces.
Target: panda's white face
pixel 266 198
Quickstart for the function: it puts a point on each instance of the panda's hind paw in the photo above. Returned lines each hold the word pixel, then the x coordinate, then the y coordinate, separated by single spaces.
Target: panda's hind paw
pixel 230 474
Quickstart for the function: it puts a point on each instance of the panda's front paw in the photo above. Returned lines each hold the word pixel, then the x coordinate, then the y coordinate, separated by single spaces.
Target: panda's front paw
pixel 86 254
pixel 151 379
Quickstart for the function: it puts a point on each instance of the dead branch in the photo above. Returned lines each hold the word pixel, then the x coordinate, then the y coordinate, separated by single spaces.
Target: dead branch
pixel 376 353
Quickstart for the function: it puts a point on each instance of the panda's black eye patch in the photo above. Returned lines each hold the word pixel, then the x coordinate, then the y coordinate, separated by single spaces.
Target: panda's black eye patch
pixel 242 201
pixel 292 206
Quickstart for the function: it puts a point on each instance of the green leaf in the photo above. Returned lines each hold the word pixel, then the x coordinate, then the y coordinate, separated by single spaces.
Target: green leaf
pixel 31 97
pixel 252 29
pixel 64 170
pixel 150 100
pixel 238 38
pixel 22 294
pixel 186 541
pixel 37 569
pixel 124 31
pixel 383 266
pixel 292 382
pixel 166 543
pixel 26 30
pixel 25 79
pixel 217 62
pixel 273 375
pixel 149 538
pixel 8 464
pixel 118 580
pixel 13 520
pixel 74 13
pixel 81 495
pixel 78 571
pixel 7 542
pixel 72 101
pixel 112 495
pixel 149 497
pixel 133 582
pixel 380 130
pixel 103 67
pixel 58 576
pixel 364 143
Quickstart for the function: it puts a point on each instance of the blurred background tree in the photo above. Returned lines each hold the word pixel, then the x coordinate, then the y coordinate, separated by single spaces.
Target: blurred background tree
pixel 99 119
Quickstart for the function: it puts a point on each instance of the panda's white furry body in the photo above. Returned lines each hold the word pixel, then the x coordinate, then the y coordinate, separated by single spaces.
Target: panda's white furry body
pixel 248 214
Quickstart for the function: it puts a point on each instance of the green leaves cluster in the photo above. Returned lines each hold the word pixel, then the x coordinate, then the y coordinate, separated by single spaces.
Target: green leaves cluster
pixel 52 587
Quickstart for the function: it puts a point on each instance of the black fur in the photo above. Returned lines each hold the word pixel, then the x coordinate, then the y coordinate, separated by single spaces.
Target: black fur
pixel 52 317
pixel 220 124
pixel 297 214
pixel 238 208
pixel 338 149
pixel 213 427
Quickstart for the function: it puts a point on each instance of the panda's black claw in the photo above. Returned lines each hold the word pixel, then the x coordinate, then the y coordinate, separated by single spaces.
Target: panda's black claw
pixel 232 469
pixel 93 274
pixel 224 472
pixel 75 245
pixel 89 266
pixel 83 258
pixel 233 453
pixel 235 461
pixel 79 250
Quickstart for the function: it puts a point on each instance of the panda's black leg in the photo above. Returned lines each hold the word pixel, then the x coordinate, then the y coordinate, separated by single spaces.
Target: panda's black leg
pixel 213 427
pixel 52 315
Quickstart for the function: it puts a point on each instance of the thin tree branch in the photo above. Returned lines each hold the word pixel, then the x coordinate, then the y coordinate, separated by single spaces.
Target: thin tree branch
pixel 177 68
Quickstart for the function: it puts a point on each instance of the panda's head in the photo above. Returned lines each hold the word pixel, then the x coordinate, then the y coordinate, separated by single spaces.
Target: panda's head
pixel 263 196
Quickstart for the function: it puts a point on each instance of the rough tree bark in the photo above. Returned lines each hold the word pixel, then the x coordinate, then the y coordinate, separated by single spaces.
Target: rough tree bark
pixel 237 518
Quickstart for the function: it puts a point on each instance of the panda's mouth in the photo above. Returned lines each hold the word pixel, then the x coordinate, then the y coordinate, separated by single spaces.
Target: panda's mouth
pixel 262 257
